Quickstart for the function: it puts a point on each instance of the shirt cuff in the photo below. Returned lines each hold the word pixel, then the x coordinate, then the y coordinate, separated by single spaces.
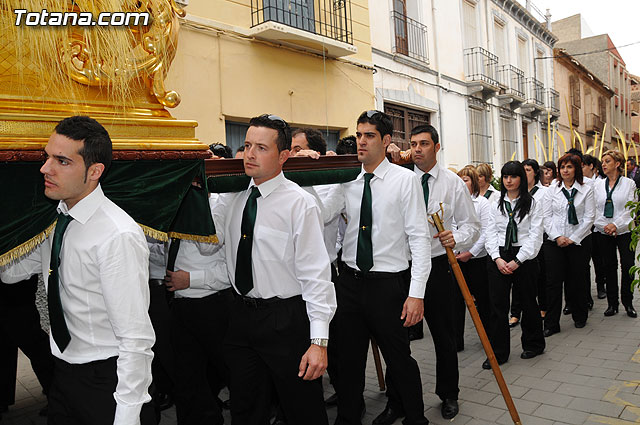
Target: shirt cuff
pixel 196 279
pixel 319 329
pixel 417 289
pixel 127 415
pixel 475 250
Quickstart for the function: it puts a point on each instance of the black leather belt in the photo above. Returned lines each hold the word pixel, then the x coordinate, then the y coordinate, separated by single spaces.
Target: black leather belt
pixel 156 282
pixel 370 275
pixel 257 303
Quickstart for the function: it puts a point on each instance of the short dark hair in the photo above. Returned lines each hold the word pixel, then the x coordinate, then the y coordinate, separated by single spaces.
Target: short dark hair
pixel 382 121
pixel 534 165
pixel 314 139
pixel 592 160
pixel 576 161
pixel 97 146
pixel 240 149
pixel 577 152
pixel 275 122
pixel 221 150
pixel 632 160
pixel 347 145
pixel 551 166
pixel 426 128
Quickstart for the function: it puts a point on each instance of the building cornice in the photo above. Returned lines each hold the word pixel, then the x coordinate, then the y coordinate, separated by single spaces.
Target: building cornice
pixel 570 62
pixel 526 19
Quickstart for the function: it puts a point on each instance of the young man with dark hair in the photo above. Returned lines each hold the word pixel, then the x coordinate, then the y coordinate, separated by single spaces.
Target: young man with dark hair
pixel 386 220
pixel 308 138
pixel 347 145
pixel 440 187
pixel 96 276
pixel 284 299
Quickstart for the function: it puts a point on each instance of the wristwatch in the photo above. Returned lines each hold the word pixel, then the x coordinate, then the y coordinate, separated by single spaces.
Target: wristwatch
pixel 322 342
pixel 518 262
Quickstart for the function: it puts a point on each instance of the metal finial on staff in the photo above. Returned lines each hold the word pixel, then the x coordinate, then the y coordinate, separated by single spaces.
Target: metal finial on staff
pixel 436 221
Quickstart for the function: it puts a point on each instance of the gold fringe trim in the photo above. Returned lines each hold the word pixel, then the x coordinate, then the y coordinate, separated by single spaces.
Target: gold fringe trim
pixel 164 236
pixel 27 247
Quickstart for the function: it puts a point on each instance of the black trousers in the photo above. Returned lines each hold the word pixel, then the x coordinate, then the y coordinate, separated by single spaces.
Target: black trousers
pixel 263 349
pixel 475 274
pixel 608 245
pixel 565 265
pixel 587 244
pixel 20 328
pixel 8 369
pixel 541 284
pixel 163 365
pixel 198 329
pixel 82 394
pixel 598 263
pixel 524 283
pixel 370 306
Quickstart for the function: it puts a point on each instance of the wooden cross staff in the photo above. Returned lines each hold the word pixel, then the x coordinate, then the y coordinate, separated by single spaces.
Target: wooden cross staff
pixel 462 283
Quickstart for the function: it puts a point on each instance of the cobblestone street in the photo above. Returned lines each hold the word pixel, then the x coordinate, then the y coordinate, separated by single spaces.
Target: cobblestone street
pixel 586 376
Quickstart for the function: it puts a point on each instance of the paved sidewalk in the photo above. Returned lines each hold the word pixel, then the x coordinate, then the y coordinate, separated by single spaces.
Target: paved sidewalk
pixel 586 376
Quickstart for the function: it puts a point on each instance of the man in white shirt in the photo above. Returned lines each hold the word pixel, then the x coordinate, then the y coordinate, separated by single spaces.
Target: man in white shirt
pixel 96 276
pixel 197 275
pixel 386 221
pixel 441 187
pixel 278 264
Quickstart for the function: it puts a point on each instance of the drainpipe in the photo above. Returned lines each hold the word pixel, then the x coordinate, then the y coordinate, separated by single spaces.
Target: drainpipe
pixel 437 68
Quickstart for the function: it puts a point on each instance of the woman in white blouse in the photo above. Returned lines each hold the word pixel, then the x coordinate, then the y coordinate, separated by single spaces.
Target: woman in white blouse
pixel 569 211
pixel 485 175
pixel 474 262
pixel 513 240
pixel 612 230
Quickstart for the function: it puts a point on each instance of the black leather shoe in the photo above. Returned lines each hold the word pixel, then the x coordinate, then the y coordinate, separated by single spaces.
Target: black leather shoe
pixel 602 294
pixel 529 354
pixel 415 335
pixel 449 408
pixel 331 400
pixel 486 365
pixel 630 311
pixel 549 332
pixel 610 311
pixel 514 321
pixel 566 310
pixel 580 325
pixel 388 416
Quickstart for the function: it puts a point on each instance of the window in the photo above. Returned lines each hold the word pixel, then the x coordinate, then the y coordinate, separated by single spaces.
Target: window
pixel 481 146
pixel 523 57
pixel 499 40
pixel 470 24
pixel 602 109
pixel 295 13
pixel 574 92
pixel 404 119
pixel 509 140
pixel 539 65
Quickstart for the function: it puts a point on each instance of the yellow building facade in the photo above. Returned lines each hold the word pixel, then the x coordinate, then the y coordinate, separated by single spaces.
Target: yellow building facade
pixel 241 58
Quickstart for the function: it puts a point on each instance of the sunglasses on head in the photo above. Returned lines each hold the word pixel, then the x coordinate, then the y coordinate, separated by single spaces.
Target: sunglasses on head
pixel 277 119
pixel 373 112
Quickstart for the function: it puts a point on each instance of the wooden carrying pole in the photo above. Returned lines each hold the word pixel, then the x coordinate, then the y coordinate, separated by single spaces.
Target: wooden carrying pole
pixel 376 359
pixel 437 222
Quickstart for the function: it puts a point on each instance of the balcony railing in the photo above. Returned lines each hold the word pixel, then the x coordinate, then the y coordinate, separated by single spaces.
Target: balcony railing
pixel 410 37
pixel 535 92
pixel 328 18
pixel 512 79
pixel 594 124
pixel 481 65
pixel 553 101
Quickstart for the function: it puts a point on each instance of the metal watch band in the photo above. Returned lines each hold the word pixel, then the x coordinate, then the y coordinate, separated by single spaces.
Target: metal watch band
pixel 322 342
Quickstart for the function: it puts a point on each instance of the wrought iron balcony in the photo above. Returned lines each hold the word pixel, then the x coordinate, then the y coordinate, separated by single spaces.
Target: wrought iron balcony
pixel 328 18
pixel 410 37
pixel 553 102
pixel 481 66
pixel 512 79
pixel 535 93
pixel 594 124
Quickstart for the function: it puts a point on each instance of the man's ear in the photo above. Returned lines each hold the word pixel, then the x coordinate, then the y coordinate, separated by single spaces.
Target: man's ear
pixel 436 147
pixel 284 155
pixel 95 171
pixel 386 140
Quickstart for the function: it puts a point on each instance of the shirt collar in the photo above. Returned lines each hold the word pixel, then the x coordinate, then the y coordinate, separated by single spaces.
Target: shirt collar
pixel 269 186
pixel 579 187
pixel 84 209
pixel 380 171
pixel 434 172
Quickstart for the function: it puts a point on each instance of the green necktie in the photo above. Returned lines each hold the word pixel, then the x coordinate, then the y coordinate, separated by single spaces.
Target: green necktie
pixel 608 204
pixel 364 255
pixel 425 189
pixel 488 193
pixel 59 328
pixel 512 228
pixel 244 269
pixel 573 217
pixel 533 190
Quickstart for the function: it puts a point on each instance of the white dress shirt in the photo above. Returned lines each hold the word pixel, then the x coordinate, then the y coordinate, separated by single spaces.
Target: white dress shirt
pixel 399 229
pixel 556 212
pixel 483 211
pixel 529 230
pixel 288 252
pixel 494 194
pixel 624 192
pixel 157 263
pixel 539 195
pixel 446 188
pixel 104 292
pixel 205 262
pixel 331 227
